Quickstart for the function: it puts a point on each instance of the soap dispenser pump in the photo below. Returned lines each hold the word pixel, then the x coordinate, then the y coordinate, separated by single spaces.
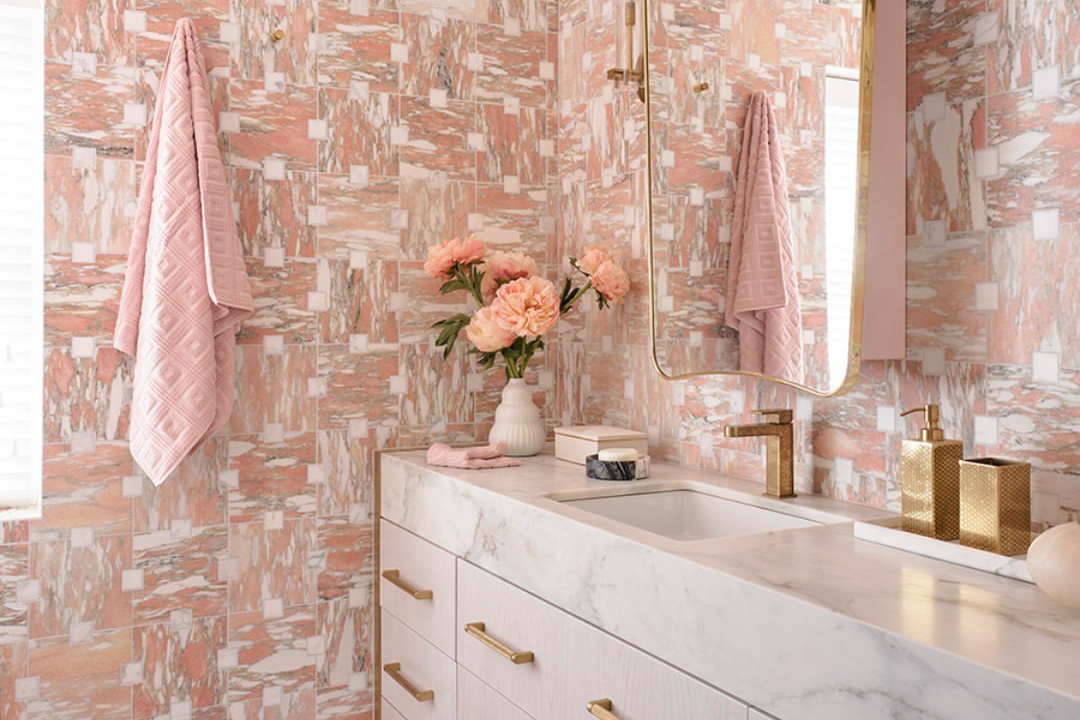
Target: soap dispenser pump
pixel 930 476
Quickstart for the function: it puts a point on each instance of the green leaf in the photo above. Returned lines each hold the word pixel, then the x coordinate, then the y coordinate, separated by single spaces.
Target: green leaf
pixel 451 285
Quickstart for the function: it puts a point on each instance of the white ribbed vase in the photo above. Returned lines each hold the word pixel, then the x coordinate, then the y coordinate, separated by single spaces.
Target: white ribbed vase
pixel 518 422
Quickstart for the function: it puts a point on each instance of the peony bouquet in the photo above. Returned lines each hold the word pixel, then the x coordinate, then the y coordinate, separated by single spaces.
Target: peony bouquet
pixel 516 305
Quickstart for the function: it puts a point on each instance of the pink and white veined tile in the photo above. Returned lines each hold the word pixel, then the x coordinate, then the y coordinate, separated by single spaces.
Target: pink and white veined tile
pixel 271 477
pixel 293 56
pixel 346 465
pixel 359 299
pixel 152 46
pixel 341 703
pixel 362 128
pixel 168 675
pixel 346 555
pixel 13 666
pixel 438 53
pixel 439 136
pixel 272 653
pixel 88 26
pixel 1032 36
pixel 511 144
pixel 80 583
pixel 79 680
pixel 274 213
pixel 87 110
pixel 438 209
pixel 511 66
pixel 362 217
pixel 357 388
pixel 273 562
pixel 280 297
pixel 273 125
pixel 436 389
pixel 81 299
pixel 14 620
pixel 86 489
pixel 346 626
pixel 1038 423
pixel 346 33
pixel 191 497
pixel 275 390
pixel 515 222
pixel 89 204
pixel 181 574
pixel 86 394
pixel 942 53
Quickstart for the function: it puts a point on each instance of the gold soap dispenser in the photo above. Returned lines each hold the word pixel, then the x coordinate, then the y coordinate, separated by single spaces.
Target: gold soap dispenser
pixel 930 476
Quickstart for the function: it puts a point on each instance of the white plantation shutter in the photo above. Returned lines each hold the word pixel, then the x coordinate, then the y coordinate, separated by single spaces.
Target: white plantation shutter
pixel 841 184
pixel 21 253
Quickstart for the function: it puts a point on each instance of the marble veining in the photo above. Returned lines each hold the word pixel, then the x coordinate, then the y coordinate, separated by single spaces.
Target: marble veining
pixel 805 624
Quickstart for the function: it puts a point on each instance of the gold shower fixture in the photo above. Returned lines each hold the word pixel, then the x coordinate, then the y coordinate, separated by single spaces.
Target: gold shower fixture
pixel 630 73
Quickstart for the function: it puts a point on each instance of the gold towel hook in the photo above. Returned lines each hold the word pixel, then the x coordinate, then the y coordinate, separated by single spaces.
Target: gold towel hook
pixel 277 35
pixel 701 87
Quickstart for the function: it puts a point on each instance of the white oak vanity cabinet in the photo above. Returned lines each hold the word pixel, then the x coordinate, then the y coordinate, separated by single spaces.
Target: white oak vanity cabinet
pixel 458 643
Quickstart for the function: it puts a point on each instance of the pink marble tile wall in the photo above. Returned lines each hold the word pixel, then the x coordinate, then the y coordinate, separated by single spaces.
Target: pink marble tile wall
pixel 242 587
pixel 992 223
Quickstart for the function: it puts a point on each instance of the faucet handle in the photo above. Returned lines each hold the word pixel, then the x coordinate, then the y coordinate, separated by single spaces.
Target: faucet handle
pixel 780 416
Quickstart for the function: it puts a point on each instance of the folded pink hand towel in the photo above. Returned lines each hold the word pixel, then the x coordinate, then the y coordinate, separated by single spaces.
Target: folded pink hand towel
pixel 186 289
pixel 762 289
pixel 474 458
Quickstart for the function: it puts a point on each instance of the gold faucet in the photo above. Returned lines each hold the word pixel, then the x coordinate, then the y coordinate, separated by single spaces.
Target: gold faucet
pixel 779 449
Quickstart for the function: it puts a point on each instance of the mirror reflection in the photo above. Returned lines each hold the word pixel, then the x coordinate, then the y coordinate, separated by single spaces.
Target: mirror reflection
pixel 754 109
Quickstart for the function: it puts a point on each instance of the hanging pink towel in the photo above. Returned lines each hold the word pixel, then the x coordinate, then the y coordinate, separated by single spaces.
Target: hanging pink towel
pixel 762 290
pixel 186 289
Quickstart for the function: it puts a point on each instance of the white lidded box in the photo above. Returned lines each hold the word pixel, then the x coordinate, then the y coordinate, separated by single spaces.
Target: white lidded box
pixel 578 442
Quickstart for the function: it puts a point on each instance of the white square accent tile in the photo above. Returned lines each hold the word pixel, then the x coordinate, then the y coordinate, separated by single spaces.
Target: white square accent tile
pixel 475 222
pixel 886 418
pixel 28 591
pixel 131 579
pixel 358 175
pixel 399 53
pixel 667 12
pixel 512 185
pixel 84 63
pixel 358 343
pixel 83 442
pixel 696 268
pixel 844 471
pixel 273 169
pixel 273 608
pixel 131 673
pixel 780 31
pixel 804 408
pixel 780 99
pixel 358 597
pixel 986 27
pixel 806 70
pixel 399 135
pixel 933 361
pixel 83 253
pixel 934 233
pixel 316 215
pixel 1045 83
pixel 318 301
pixel 82 347
pixel 1045 367
pixel 986 296
pixel 272 696
pixel 317 129
pixel 695 338
pixel 986 163
pixel 437 98
pixel 274 520
pixel 399 385
pixel 229 122
pixel 180 620
pixel 358 260
pixel 697 196
pixel 1046 224
pixel 667 158
pixel 315 474
pixel 229 32
pixel 273 432
pixel 358 429
pixel 475 61
pixel 274 82
pixel 27 689
pixel 135 114
pixel 399 219
pixel 180 710
pixel 133 486
pixel 83 158
pixel 81 632
pixel 228 658
pixel 933 107
pixel 986 430
pixel 180 528
pixel 512 27
pixel 360 7
pixel 475 140
pixel 82 537
pixel 273 344
pixel 359 90
pixel 754 61
pixel 399 301
pixel 227 568
pixel 547 70
pixel 511 105
pixel 135 21
pixel 359 682
pixel 274 257
pixel 315 645
pixel 809 337
pixel 229 479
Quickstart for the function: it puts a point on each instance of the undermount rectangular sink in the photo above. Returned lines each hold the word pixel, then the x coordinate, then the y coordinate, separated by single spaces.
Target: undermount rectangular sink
pixel 688 515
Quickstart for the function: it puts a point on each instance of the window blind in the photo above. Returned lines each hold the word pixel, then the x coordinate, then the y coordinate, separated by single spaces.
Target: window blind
pixel 21 252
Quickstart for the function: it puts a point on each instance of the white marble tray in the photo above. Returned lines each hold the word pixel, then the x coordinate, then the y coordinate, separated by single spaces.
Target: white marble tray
pixel 886 531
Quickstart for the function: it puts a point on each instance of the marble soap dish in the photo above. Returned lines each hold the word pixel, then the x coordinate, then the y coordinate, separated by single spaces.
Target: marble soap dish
pixel 624 470
pixel 886 531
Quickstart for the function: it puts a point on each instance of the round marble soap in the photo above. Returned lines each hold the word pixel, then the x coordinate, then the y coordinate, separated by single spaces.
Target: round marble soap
pixel 598 469
pixel 1054 562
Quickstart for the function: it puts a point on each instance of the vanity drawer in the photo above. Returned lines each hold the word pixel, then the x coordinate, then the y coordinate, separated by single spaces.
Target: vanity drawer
pixel 417 584
pixel 611 679
pixel 477 701
pixel 417 679
pixel 504 620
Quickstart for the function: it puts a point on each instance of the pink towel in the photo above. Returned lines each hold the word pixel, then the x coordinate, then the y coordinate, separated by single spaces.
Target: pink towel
pixel 186 289
pixel 474 458
pixel 762 290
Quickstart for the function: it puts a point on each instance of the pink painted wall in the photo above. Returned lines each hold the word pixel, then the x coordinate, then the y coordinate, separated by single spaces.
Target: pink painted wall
pixel 992 224
pixel 372 130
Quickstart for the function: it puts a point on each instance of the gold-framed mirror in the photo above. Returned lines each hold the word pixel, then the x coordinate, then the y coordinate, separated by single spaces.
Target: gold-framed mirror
pixel 814 60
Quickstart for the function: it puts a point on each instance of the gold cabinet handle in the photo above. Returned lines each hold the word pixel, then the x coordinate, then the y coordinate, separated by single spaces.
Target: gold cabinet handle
pixel 394 671
pixel 476 629
pixel 394 576
pixel 601 709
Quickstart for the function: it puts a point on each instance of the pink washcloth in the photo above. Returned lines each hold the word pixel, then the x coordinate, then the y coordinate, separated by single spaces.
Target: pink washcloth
pixel 762 289
pixel 474 458
pixel 186 289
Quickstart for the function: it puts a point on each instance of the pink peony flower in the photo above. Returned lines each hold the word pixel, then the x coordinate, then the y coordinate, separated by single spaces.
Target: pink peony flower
pixel 592 259
pixel 486 333
pixel 527 306
pixel 611 281
pixel 443 257
pixel 502 267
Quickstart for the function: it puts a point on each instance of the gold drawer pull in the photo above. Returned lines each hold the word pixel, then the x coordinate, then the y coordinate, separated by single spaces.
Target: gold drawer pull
pixel 601 709
pixel 394 576
pixel 394 671
pixel 476 629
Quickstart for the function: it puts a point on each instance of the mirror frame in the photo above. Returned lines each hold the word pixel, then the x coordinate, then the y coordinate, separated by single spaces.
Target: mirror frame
pixel 862 205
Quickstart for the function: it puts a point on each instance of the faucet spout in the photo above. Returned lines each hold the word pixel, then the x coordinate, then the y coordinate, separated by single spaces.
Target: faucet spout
pixel 779 449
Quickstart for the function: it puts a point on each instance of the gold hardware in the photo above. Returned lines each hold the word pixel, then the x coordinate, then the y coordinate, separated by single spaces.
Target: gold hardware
pixel 995 505
pixel 866 77
pixel 701 87
pixel 601 709
pixel 779 449
pixel 277 35
pixel 930 480
pixel 630 14
pixel 394 671
pixel 932 432
pixel 476 629
pixel 394 576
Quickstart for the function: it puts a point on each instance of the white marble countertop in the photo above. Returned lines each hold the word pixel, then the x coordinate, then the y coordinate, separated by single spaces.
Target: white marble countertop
pixel 806 624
